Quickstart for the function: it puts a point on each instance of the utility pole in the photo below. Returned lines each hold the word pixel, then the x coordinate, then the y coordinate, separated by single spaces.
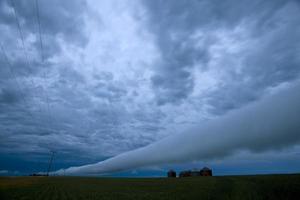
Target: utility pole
pixel 50 162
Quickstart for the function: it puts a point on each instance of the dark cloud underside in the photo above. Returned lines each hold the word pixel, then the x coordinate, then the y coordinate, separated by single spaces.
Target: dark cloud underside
pixel 114 76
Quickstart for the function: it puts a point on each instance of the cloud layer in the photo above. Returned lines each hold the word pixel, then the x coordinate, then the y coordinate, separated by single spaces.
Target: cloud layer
pixel 270 123
pixel 114 76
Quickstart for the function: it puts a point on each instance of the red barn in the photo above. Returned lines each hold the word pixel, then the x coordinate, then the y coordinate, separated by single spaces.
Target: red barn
pixel 205 171
pixel 171 173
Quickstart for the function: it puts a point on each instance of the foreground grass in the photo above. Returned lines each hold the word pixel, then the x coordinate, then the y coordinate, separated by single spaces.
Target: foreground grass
pixel 227 187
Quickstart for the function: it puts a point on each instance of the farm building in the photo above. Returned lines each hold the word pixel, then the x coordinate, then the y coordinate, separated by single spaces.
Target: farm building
pixel 185 173
pixel 171 173
pixel 203 172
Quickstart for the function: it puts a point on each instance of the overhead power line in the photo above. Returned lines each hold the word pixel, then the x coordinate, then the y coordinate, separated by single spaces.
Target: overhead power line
pixel 42 57
pixel 23 45
pixel 13 75
pixel 20 31
pixel 39 27
pixel 27 57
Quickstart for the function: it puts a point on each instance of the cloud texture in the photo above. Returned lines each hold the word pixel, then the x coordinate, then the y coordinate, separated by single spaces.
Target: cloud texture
pixel 113 76
pixel 270 123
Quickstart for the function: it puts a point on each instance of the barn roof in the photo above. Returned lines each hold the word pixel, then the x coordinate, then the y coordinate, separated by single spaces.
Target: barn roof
pixel 206 169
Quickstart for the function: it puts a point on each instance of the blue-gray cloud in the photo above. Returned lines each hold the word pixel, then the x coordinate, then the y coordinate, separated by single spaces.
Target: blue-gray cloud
pixel 116 78
pixel 270 58
pixel 257 127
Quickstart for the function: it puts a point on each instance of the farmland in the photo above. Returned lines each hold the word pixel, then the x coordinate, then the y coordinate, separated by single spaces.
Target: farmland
pixel 222 187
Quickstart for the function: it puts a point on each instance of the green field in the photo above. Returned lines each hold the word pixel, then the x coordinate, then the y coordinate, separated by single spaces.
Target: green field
pixel 226 187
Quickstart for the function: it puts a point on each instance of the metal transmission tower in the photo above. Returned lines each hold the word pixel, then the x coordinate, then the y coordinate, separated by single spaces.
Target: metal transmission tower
pixel 50 162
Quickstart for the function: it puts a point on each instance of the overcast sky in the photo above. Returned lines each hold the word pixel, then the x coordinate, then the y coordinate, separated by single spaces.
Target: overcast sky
pixel 93 79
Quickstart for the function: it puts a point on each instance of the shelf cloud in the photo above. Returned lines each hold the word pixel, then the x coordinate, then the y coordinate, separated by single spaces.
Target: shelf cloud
pixel 271 123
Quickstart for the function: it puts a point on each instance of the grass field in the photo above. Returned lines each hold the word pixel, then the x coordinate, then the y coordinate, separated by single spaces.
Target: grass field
pixel 226 187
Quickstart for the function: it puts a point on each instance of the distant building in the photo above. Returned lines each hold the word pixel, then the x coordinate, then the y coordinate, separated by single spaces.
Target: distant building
pixel 37 174
pixel 205 171
pixel 185 173
pixel 171 173
pixel 195 172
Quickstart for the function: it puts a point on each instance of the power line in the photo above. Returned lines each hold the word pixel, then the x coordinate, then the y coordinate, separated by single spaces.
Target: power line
pixel 50 162
pixel 28 64
pixel 23 44
pixel 26 54
pixel 39 26
pixel 15 77
pixel 42 55
pixel 20 31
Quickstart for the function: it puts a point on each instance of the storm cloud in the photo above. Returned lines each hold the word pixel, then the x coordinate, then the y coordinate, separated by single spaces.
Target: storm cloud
pixel 270 123
pixel 115 76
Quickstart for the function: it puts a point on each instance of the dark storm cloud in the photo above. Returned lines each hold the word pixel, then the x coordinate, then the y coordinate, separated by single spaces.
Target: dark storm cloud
pixel 21 65
pixel 273 59
pixel 189 35
pixel 117 77
pixel 271 123
pixel 8 96
pixel 107 88
pixel 59 24
pixel 173 80
pixel 63 18
pixel 24 116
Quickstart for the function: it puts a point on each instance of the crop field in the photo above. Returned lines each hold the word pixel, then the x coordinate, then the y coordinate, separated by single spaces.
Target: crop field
pixel 222 187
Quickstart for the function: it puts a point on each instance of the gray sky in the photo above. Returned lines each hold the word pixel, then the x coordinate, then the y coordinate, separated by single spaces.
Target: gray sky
pixel 113 76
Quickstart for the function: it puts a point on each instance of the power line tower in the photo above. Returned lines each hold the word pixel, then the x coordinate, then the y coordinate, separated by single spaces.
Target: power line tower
pixel 50 162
